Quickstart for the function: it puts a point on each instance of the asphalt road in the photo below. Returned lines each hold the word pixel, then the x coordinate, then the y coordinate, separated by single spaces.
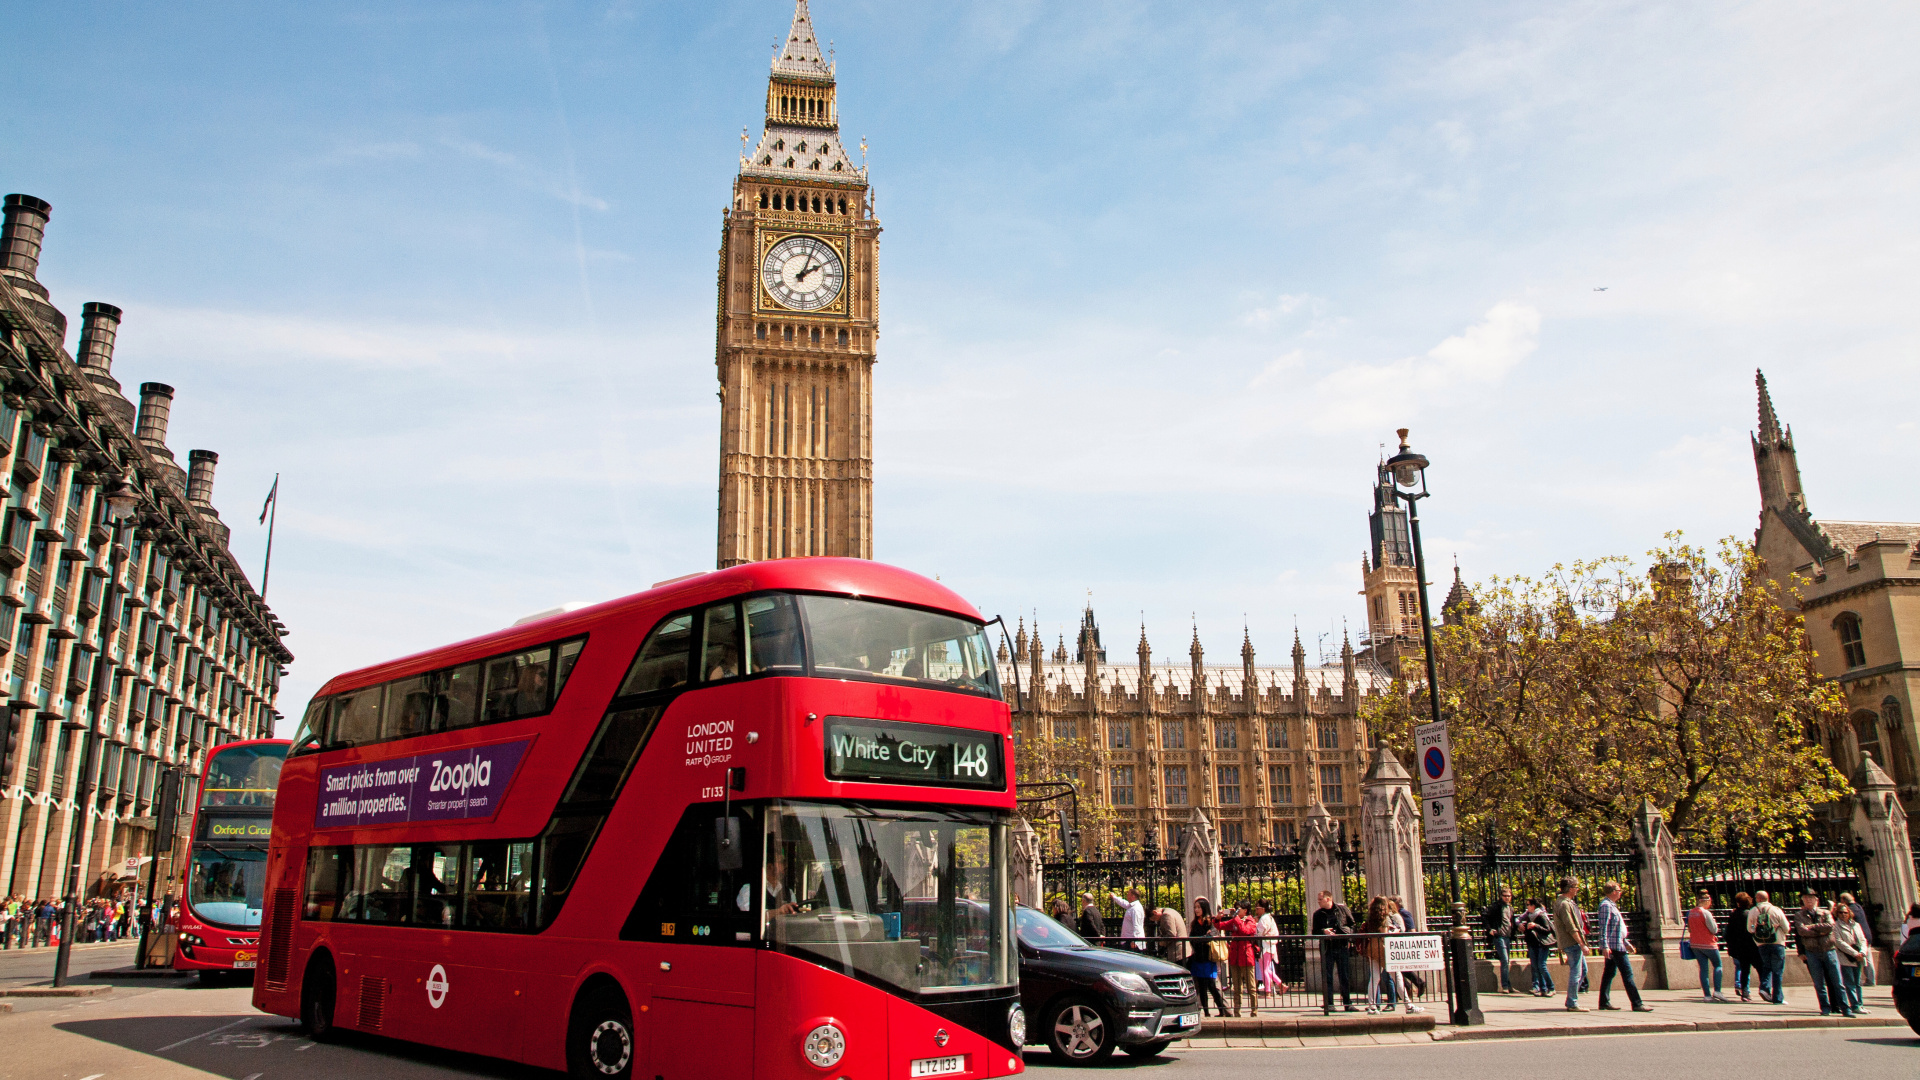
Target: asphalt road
pixel 181 1030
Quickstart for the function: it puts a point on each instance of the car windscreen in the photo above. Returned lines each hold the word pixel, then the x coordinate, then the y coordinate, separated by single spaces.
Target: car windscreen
pixel 1037 931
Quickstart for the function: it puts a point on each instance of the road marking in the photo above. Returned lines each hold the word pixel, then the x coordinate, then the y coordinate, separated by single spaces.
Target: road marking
pixel 308 1045
pixel 97 1076
pixel 202 1035
pixel 255 1076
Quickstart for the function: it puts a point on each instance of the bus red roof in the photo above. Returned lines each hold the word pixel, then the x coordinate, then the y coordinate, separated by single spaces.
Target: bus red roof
pixel 854 577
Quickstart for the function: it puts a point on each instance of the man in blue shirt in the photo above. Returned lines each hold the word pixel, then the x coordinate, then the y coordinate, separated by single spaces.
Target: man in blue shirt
pixel 1613 940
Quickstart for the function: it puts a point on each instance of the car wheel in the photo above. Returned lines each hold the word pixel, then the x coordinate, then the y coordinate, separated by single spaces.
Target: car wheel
pixel 600 1041
pixel 1078 1033
pixel 1144 1051
pixel 316 1001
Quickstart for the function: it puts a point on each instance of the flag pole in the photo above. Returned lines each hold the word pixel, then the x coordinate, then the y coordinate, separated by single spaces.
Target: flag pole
pixel 272 513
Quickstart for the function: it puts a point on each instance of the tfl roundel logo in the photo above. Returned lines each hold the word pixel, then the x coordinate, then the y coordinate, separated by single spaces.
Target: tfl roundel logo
pixel 1434 762
pixel 437 986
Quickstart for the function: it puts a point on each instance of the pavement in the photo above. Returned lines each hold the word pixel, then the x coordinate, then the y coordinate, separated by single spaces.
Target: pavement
pixel 1522 1016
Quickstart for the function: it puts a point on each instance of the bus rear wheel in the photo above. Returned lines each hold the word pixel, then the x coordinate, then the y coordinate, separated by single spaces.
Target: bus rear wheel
pixel 600 1040
pixel 316 1000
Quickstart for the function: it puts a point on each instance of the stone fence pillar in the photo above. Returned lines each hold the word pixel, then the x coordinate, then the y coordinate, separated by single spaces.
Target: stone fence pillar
pixel 1390 835
pixel 1028 885
pixel 1659 894
pixel 1320 865
pixel 1880 824
pixel 1200 871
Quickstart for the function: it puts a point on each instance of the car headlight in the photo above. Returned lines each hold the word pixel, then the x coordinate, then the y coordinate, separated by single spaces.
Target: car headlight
pixel 1128 982
pixel 824 1046
pixel 1017 1025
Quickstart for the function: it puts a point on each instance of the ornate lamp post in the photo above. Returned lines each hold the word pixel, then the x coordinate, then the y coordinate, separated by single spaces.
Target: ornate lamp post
pixel 1409 472
pixel 121 501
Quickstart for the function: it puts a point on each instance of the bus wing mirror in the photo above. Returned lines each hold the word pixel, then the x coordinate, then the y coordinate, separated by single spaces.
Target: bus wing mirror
pixel 726 842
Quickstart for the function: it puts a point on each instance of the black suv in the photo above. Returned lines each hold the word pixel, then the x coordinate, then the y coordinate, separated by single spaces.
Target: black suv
pixel 1906 981
pixel 1084 1000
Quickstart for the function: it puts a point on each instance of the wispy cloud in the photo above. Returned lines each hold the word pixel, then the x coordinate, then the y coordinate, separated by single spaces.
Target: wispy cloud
pixel 526 175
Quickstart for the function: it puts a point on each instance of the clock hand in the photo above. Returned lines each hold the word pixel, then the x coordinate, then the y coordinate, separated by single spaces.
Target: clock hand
pixel 802 275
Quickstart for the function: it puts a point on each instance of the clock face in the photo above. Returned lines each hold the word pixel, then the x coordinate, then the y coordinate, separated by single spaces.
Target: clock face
pixel 802 273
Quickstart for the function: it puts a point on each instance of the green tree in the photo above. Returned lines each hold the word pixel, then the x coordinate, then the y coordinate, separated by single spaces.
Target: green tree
pixel 1572 697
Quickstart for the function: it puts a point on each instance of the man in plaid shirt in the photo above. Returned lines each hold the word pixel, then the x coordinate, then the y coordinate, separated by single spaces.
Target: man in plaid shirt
pixel 1613 940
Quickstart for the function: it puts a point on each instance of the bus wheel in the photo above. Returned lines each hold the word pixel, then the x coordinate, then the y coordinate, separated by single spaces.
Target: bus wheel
pixel 600 1038
pixel 1077 1033
pixel 316 1000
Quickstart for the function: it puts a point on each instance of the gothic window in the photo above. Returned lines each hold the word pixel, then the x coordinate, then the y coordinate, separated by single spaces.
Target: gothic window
pixel 1226 735
pixel 1329 733
pixel 1899 754
pixel 1173 734
pixel 816 168
pixel 800 146
pixel 1848 627
pixel 1228 786
pixel 781 144
pixel 763 198
pixel 788 165
pixel 1332 792
pixel 1233 833
pixel 1120 785
pixel 843 202
pixel 1276 734
pixel 1284 835
pixel 786 333
pixel 816 335
pixel 1280 784
pixel 1066 727
pixel 1379 602
pixel 1176 785
pixel 1120 734
pixel 1866 736
pixel 767 160
pixel 760 331
pixel 843 337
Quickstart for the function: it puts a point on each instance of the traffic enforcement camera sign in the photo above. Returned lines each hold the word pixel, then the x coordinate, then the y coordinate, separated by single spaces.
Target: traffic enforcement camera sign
pixel 1434 755
pixel 1439 822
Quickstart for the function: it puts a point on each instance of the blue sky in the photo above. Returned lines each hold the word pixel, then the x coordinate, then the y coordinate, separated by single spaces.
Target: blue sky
pixel 1158 280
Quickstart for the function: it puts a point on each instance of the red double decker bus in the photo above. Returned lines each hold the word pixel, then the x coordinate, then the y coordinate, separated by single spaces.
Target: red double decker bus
pixel 219 916
pixel 747 824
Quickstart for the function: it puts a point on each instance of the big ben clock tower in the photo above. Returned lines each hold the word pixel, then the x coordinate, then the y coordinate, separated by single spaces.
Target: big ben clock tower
pixel 798 317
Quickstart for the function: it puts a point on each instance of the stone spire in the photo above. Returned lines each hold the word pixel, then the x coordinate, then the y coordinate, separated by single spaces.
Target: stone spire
pixel 1199 673
pixel 1774 457
pixel 800 55
pixel 1460 602
pixel 1249 680
pixel 1020 637
pixel 1770 431
pixel 1146 671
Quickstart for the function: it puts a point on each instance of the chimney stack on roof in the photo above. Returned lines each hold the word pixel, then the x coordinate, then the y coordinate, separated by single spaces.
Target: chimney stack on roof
pixel 99 325
pixel 21 235
pixel 200 465
pixel 156 401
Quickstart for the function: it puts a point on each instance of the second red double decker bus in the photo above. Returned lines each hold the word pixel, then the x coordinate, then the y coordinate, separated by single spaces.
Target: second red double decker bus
pixel 219 918
pixel 747 824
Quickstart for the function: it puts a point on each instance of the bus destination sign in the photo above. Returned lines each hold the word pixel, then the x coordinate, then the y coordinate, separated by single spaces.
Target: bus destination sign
pixel 446 785
pixel 227 829
pixel 891 752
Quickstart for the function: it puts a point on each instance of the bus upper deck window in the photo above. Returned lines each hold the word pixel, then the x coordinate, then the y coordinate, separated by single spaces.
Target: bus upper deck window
pixel 410 704
pixel 313 728
pixel 456 697
pixel 773 626
pixel 517 685
pixel 721 651
pixel 563 665
pixel 356 717
pixel 662 663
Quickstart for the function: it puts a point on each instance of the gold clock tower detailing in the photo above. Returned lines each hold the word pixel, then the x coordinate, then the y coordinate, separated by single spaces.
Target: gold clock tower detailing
pixel 797 323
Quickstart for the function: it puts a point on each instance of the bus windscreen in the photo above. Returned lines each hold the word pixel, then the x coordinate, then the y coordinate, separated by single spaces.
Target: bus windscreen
pixel 244 776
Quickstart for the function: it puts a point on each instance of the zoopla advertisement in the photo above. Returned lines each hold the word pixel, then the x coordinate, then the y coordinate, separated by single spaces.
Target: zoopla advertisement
pixel 448 785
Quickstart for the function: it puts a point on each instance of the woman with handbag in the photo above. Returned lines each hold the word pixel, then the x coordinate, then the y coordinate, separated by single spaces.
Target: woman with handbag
pixel 1209 952
pixel 1741 948
pixel 1703 943
pixel 1380 921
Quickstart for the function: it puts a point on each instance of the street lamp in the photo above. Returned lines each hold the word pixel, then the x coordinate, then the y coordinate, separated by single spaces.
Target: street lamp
pixel 1409 472
pixel 121 499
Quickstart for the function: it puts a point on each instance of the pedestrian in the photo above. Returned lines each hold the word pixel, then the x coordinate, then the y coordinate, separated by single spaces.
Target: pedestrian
pixel 1205 963
pixel 1243 952
pixel 1768 926
pixel 1570 934
pixel 1408 924
pixel 1332 926
pixel 1174 929
pixel 1133 920
pixel 1703 938
pixel 1619 951
pixel 1267 972
pixel 1059 911
pixel 1536 929
pixel 7 909
pixel 1380 982
pixel 1813 935
pixel 1856 955
pixel 1497 921
pixel 1913 923
pixel 1740 947
pixel 43 923
pixel 1859 915
pixel 1091 925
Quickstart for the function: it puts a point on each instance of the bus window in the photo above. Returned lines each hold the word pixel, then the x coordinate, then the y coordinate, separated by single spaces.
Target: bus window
pixel 773 630
pixel 616 745
pixel 312 734
pixel 325 865
pixel 456 697
pixel 409 705
pixel 517 684
pixel 861 639
pixel 497 897
pixel 662 663
pixel 563 665
pixel 356 717
pixel 688 897
pixel 722 644
pixel 434 880
pixel 378 891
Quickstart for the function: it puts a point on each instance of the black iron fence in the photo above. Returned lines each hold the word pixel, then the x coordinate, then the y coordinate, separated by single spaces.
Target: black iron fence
pixel 1292 975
